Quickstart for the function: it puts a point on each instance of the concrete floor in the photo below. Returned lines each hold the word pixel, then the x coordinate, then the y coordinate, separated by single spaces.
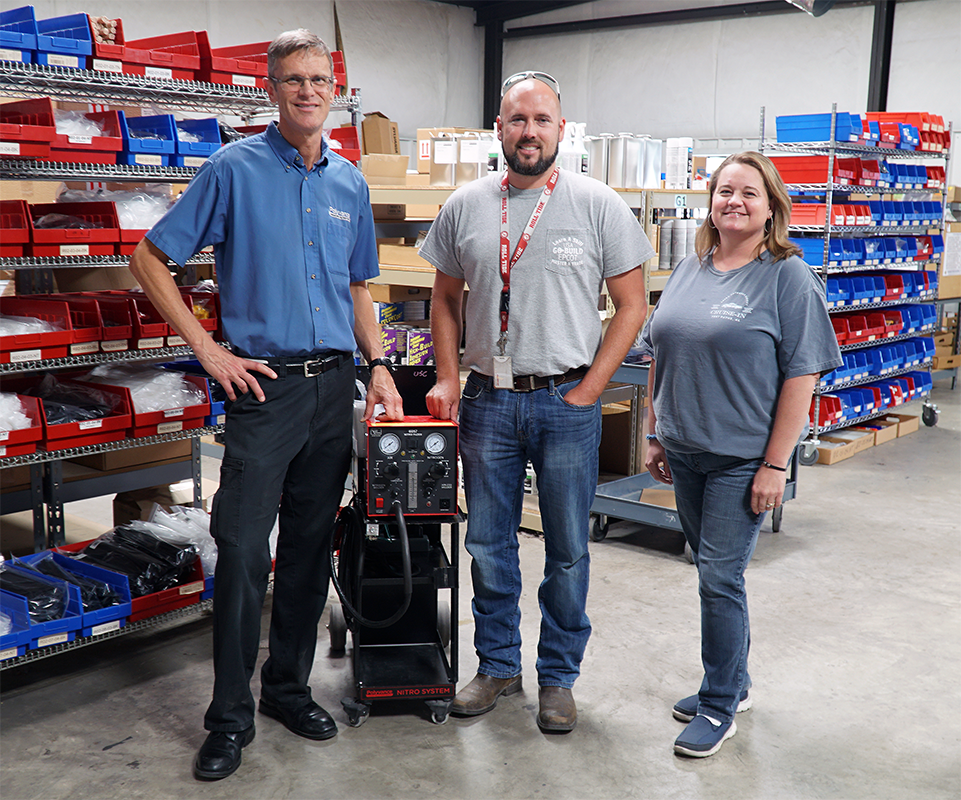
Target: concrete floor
pixel 856 660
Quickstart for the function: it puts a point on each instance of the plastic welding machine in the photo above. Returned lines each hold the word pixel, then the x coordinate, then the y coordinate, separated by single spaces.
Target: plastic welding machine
pixel 389 565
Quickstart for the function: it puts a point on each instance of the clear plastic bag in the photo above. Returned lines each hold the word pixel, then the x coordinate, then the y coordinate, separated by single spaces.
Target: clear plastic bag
pixel 184 525
pixel 152 388
pixel 12 416
pixel 136 210
pixel 64 221
pixel 6 624
pixel 45 601
pixel 15 326
pixel 69 402
pixel 94 595
pixel 75 123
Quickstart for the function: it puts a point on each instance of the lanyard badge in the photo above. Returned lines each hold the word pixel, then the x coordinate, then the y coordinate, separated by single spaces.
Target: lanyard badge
pixel 502 363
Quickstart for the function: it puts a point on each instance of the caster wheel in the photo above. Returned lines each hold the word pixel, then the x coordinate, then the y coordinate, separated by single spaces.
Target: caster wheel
pixel 808 454
pixel 930 414
pixel 439 710
pixel 599 527
pixel 443 623
pixel 356 711
pixel 338 628
pixel 776 518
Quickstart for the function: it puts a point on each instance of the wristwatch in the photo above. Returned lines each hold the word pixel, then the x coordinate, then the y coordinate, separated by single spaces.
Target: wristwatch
pixel 381 362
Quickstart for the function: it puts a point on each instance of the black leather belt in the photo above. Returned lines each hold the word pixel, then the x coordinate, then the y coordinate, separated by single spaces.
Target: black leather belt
pixel 311 366
pixel 531 383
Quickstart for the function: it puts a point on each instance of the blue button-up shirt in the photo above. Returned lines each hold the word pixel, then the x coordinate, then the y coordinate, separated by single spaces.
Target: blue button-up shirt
pixel 288 243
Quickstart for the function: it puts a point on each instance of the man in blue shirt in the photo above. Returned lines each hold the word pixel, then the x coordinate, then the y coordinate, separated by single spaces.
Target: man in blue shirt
pixel 292 230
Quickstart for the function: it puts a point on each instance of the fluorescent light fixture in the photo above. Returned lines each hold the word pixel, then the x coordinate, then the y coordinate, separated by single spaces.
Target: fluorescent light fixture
pixel 813 7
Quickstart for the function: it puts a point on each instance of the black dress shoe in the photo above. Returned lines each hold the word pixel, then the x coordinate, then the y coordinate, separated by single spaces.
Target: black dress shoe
pixel 219 756
pixel 308 720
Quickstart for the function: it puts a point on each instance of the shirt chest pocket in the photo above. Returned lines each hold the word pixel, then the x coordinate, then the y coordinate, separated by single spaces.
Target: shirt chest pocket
pixel 568 250
pixel 338 245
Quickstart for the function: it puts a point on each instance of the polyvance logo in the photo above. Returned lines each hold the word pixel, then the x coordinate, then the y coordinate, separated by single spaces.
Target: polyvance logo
pixel 379 693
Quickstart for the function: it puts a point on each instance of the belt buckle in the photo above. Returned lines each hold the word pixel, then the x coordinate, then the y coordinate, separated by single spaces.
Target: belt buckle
pixel 524 383
pixel 309 366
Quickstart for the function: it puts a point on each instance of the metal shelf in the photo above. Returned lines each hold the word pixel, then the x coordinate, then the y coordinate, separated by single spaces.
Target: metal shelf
pixel 847 348
pixel 92 359
pixel 867 230
pixel 85 262
pixel 883 304
pixel 848 423
pixel 875 378
pixel 33 80
pixel 42 456
pixel 203 607
pixel 843 188
pixel 26 169
pixel 846 148
pixel 904 266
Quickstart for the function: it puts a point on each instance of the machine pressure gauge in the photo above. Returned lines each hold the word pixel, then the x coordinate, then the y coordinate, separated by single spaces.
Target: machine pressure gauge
pixel 435 443
pixel 389 444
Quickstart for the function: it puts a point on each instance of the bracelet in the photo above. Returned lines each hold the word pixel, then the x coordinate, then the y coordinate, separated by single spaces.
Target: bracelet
pixel 651 437
pixel 769 465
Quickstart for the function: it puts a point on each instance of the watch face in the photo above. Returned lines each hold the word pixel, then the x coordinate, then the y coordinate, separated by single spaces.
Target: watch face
pixel 389 444
pixel 435 443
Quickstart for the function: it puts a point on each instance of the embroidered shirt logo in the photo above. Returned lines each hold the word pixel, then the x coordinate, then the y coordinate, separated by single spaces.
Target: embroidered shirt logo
pixel 567 251
pixel 342 215
pixel 733 307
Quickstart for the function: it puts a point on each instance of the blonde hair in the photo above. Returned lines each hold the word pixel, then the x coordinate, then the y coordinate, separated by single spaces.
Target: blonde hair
pixel 776 238
pixel 290 42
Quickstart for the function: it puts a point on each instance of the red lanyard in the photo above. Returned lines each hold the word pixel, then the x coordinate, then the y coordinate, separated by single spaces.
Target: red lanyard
pixel 506 264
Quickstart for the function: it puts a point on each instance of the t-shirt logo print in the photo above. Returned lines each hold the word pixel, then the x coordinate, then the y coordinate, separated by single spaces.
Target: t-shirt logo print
pixel 733 307
pixel 567 251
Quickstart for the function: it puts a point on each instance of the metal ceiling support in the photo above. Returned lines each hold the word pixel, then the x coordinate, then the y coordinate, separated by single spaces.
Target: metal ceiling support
pixel 493 61
pixel 738 11
pixel 515 9
pixel 881 55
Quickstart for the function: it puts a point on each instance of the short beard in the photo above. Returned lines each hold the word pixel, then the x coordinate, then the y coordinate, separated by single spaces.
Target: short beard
pixel 539 167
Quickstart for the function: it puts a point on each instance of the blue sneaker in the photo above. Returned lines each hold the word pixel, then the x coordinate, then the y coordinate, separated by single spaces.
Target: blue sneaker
pixel 685 710
pixel 703 737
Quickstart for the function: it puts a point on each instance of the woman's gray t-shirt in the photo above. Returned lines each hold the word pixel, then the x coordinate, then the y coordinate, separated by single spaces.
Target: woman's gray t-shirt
pixel 725 342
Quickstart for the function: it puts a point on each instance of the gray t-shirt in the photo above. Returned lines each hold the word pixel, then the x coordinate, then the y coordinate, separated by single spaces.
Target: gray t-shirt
pixel 586 234
pixel 725 342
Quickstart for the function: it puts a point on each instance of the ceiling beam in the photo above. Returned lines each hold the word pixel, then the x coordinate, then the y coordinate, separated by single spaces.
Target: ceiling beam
pixel 516 9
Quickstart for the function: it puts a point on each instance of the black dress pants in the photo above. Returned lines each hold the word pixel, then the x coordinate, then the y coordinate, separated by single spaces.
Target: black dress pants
pixel 290 453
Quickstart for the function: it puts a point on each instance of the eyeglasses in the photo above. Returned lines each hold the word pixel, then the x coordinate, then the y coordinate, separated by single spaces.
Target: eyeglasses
pixel 543 77
pixel 294 83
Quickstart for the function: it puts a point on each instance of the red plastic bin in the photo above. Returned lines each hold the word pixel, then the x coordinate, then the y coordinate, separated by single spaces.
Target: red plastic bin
pixel 112 428
pixel 85 319
pixel 237 65
pixel 35 346
pixel 90 149
pixel 26 128
pixel 174 55
pixel 24 441
pixel 53 242
pixel 116 315
pixel 14 228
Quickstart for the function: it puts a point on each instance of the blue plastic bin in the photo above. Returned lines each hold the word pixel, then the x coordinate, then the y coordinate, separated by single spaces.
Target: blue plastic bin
pixel 191 154
pixel 837 292
pixel 102 620
pixel 18 34
pixel 853 251
pixel 14 644
pixel 153 151
pixel 817 128
pixel 64 41
pixel 56 631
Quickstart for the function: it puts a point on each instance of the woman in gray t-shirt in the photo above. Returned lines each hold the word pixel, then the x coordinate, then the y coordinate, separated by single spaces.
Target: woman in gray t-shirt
pixel 739 338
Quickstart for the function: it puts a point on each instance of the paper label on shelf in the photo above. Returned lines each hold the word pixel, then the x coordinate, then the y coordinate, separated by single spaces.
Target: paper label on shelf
pixel 221 419
pixel 192 588
pixel 9 148
pixel 244 80
pixel 102 65
pixel 80 139
pixel 150 344
pixel 100 630
pixel 90 424
pixel 176 341
pixel 194 161
pixel 75 249
pixel 3 450
pixel 11 55
pixel 20 356
pixel 159 72
pixel 170 427
pixel 149 160
pixel 57 638
pixel 445 152
pixel 85 347
pixel 4 435
pixel 173 412
pixel 10 652
pixel 114 345
pixel 59 60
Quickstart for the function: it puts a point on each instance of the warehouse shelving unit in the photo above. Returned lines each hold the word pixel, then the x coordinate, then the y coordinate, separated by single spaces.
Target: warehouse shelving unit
pixel 830 191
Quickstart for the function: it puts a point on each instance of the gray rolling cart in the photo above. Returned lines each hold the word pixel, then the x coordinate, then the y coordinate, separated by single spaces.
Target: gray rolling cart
pixel 623 499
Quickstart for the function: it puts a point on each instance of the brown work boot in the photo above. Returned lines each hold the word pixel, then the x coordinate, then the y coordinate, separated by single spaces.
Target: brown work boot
pixel 480 695
pixel 558 712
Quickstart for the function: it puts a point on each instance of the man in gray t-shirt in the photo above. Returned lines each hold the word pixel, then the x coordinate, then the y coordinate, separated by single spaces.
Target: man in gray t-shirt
pixel 534 246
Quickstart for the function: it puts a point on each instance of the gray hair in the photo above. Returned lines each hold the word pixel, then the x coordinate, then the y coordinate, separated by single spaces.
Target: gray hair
pixel 291 42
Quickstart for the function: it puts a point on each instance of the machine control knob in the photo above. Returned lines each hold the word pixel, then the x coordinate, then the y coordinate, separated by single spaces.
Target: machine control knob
pixel 391 471
pixel 438 470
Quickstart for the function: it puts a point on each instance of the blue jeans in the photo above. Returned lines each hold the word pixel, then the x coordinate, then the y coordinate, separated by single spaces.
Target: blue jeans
pixel 713 495
pixel 500 431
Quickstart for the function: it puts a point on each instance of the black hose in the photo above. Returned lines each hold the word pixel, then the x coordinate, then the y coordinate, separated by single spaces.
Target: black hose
pixel 351 540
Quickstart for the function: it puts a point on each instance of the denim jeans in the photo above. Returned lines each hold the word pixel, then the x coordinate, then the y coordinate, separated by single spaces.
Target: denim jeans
pixel 713 495
pixel 288 455
pixel 500 431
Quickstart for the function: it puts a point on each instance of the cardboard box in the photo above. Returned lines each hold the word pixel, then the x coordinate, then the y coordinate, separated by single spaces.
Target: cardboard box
pixel 883 431
pixel 389 212
pixel 946 362
pixel 94 279
pixel 384 170
pixel 402 256
pixel 380 134
pixel 31 191
pixel 949 270
pixel 138 504
pixel 614 454
pixel 906 423
pixel 831 452
pixel 136 456
pixel 388 293
pixel 860 439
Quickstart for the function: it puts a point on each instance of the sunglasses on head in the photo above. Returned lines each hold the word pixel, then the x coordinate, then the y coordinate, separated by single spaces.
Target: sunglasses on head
pixel 543 77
